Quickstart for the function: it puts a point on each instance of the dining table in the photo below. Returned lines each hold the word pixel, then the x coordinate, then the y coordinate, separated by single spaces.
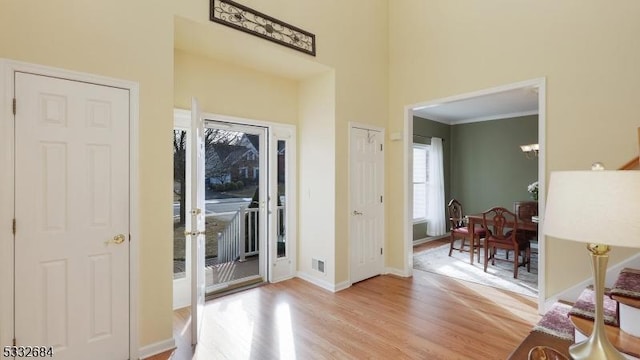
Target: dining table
pixel 477 219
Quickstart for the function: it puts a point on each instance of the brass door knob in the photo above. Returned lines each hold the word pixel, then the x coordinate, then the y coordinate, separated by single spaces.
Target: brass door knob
pixel 118 239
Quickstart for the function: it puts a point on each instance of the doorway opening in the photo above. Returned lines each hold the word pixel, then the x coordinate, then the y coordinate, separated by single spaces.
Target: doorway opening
pixel 468 108
pixel 235 205
pixel 248 176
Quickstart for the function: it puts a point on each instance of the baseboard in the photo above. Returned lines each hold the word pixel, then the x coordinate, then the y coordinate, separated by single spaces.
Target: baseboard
pixel 429 238
pixel 421 241
pixel 397 272
pixel 571 294
pixel 342 285
pixel 282 279
pixel 322 283
pixel 157 348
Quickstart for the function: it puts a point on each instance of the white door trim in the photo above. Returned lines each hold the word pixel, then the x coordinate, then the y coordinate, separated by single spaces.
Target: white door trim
pixel 276 131
pixel 541 85
pixel 352 125
pixel 273 128
pixel 7 84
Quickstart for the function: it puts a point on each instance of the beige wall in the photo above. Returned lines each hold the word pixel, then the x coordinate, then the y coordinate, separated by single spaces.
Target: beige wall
pixel 587 52
pixel 316 169
pixel 228 89
pixel 351 41
pixel 382 56
pixel 135 41
pixel 131 41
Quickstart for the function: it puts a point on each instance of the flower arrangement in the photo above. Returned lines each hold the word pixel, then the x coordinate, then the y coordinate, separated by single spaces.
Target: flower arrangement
pixel 533 189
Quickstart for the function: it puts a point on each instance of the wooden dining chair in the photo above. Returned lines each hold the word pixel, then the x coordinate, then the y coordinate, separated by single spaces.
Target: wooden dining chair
pixel 502 233
pixel 460 230
pixel 525 210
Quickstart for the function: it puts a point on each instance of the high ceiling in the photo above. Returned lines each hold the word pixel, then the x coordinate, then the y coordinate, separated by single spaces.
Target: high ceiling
pixel 221 43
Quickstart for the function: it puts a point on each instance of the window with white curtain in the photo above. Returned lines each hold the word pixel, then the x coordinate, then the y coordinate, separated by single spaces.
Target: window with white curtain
pixel 420 181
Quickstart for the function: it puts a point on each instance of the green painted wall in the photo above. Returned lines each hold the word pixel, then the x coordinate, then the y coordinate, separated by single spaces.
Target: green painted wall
pixel 483 164
pixel 487 166
pixel 422 130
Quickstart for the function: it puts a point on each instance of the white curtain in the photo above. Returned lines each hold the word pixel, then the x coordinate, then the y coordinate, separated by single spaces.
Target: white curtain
pixel 435 192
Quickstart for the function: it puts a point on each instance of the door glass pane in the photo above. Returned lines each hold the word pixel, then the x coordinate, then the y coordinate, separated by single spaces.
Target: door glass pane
pixel 179 198
pixel 282 197
pixel 232 198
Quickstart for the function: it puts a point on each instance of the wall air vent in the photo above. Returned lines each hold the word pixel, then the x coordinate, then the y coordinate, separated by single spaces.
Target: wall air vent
pixel 317 265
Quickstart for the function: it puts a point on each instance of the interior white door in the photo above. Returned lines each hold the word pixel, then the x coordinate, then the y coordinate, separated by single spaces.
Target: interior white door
pixel 196 224
pixel 72 217
pixel 367 209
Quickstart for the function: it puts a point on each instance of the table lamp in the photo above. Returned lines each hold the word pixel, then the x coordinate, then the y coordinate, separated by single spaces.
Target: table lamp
pixel 600 208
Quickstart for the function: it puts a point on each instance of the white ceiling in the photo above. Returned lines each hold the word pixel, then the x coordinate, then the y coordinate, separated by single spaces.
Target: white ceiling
pixel 500 105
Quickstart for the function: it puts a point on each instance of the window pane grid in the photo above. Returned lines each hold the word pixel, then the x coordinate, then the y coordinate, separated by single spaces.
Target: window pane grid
pixel 420 181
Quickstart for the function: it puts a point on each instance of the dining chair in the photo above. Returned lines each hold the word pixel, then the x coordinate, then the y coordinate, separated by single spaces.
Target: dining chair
pixel 460 229
pixel 525 210
pixel 502 233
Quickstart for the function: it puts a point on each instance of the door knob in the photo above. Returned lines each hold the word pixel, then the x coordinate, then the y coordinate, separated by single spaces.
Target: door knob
pixel 194 233
pixel 356 212
pixel 118 239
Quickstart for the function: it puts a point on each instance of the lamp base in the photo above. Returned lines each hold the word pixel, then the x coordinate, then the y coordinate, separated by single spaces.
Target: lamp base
pixel 597 346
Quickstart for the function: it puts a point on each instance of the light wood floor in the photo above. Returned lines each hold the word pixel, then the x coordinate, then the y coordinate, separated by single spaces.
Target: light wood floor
pixel 428 316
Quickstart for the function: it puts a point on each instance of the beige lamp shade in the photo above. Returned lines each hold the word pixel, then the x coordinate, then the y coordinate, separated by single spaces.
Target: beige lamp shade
pixel 597 207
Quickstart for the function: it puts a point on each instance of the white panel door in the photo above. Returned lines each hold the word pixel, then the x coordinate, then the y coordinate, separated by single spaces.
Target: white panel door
pixel 367 209
pixel 72 215
pixel 196 206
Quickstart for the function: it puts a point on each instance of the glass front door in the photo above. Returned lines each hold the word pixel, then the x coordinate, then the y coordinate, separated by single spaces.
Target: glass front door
pixel 235 205
pixel 250 197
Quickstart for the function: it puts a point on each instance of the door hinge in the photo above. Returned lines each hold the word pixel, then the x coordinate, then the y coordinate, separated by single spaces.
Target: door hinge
pixel 14 106
pixel 13 227
pixel 14 341
pixel 380 144
pixel 380 198
pixel 380 251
